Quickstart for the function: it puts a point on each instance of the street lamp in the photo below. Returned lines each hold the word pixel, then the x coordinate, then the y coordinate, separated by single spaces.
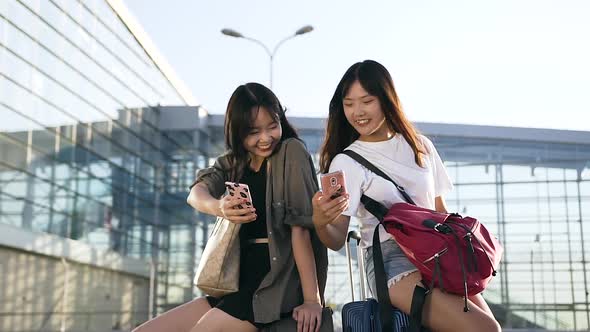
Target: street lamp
pixel 300 31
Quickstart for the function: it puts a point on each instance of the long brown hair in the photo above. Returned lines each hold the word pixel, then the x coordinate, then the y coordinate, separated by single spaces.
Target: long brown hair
pixel 239 119
pixel 377 81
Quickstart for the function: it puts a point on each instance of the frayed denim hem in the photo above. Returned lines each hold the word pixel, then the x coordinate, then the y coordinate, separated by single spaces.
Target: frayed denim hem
pixel 399 277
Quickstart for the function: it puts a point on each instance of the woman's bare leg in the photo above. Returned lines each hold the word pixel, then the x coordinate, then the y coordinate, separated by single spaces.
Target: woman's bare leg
pixel 216 320
pixel 479 301
pixel 179 319
pixel 442 311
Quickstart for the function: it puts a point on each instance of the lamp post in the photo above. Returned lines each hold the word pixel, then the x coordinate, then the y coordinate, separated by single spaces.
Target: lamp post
pixel 300 31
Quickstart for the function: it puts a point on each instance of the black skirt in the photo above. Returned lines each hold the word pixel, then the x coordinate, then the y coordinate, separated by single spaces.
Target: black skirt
pixel 255 258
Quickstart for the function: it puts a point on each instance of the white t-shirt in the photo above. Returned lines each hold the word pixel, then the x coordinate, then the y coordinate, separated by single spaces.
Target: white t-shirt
pixel 395 157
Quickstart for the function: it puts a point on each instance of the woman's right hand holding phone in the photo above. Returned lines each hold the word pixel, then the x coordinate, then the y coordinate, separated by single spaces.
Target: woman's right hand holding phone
pixel 235 210
pixel 327 209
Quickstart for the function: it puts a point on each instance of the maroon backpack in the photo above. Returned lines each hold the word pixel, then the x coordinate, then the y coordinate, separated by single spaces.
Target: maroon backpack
pixel 454 253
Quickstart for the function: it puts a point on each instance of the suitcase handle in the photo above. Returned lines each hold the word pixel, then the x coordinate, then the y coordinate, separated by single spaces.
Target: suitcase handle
pixel 355 235
pixel 361 264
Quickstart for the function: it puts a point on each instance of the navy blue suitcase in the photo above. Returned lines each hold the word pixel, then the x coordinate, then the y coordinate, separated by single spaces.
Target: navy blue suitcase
pixel 363 316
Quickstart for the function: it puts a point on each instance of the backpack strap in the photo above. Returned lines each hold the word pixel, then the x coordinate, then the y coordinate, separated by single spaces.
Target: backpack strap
pixel 361 160
pixel 379 211
pixel 385 306
pixel 418 300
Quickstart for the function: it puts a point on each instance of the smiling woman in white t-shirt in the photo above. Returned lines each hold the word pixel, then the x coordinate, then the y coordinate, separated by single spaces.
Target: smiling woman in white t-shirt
pixel 366 117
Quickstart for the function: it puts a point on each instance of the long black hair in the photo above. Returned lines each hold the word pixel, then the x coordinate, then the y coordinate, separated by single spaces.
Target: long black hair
pixel 239 119
pixel 377 81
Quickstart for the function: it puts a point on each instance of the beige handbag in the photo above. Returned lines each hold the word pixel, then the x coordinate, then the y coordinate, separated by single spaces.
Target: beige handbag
pixel 218 272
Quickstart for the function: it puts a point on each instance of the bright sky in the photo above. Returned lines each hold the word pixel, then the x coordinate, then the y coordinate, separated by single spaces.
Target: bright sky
pixel 522 63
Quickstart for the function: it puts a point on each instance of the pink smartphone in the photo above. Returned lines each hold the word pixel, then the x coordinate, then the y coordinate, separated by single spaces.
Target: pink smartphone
pixel 330 182
pixel 239 190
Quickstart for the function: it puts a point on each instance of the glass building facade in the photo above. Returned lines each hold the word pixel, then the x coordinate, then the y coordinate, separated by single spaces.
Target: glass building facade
pixel 532 188
pixel 86 151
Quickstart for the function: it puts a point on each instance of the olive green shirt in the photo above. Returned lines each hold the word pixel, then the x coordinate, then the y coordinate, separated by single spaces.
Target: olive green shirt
pixel 290 184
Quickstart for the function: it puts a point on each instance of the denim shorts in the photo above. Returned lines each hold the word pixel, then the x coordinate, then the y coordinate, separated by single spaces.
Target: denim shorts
pixel 396 264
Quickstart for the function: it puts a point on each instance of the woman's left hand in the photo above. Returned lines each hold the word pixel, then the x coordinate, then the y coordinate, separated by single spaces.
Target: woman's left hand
pixel 308 317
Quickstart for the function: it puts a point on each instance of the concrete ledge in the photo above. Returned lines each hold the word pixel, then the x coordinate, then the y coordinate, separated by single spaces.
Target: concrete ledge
pixel 72 250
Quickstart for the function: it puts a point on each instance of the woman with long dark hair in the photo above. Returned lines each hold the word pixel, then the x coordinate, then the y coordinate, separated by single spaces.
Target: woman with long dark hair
pixel 283 265
pixel 366 117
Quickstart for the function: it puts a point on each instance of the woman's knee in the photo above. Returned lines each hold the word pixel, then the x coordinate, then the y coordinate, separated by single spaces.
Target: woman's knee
pixel 179 319
pixel 488 324
pixel 216 320
pixel 444 312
